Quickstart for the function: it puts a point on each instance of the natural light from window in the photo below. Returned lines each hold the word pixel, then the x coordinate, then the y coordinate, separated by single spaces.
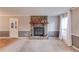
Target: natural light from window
pixel 64 23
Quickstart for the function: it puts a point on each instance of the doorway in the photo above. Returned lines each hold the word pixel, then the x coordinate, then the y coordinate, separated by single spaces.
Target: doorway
pixel 13 25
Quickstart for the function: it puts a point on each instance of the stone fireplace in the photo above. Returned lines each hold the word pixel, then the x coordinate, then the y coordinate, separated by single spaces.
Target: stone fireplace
pixel 38 26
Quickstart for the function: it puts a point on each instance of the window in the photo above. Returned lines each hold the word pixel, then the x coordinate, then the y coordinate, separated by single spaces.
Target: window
pixel 64 22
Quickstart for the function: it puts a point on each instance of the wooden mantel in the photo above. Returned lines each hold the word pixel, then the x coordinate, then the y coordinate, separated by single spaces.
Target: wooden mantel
pixel 38 20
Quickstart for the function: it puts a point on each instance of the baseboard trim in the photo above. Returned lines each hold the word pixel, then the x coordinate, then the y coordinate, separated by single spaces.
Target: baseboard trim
pixel 75 47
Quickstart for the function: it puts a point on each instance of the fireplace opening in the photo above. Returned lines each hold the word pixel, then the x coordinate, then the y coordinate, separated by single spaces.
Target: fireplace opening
pixel 38 31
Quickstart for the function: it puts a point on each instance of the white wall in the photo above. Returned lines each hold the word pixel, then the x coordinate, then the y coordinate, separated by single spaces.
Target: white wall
pixel 53 22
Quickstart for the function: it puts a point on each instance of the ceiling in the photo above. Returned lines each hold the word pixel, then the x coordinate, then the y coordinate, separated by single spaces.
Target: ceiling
pixel 29 11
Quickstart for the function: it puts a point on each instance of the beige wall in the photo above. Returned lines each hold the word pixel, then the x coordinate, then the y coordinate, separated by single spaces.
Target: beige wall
pixel 75 27
pixel 75 22
pixel 23 23
pixel 4 23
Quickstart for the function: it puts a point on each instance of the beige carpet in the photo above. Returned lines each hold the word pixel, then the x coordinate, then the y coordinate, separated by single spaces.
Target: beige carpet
pixel 50 45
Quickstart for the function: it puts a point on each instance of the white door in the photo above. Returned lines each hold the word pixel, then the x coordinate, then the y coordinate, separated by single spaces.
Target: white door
pixel 13 23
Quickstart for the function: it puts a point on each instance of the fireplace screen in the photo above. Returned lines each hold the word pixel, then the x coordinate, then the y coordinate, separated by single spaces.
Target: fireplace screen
pixel 38 31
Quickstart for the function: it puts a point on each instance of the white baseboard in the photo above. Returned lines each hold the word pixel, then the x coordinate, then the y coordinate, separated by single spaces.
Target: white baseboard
pixel 75 48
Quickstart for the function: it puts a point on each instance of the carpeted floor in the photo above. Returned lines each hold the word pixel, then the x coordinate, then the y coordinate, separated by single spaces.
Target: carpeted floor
pixel 50 45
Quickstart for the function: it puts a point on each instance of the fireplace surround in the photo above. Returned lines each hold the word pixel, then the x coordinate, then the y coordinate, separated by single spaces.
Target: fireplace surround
pixel 38 25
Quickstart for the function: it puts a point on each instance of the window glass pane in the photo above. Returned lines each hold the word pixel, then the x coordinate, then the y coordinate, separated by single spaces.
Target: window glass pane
pixel 64 22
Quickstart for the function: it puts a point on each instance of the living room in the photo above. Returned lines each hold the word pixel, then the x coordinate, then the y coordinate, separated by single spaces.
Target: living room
pixel 41 26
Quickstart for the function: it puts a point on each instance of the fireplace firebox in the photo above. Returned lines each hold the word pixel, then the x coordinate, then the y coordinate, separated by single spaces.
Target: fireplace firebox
pixel 38 31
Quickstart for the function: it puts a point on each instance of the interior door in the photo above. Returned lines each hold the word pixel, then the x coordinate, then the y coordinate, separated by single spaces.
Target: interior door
pixel 13 27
